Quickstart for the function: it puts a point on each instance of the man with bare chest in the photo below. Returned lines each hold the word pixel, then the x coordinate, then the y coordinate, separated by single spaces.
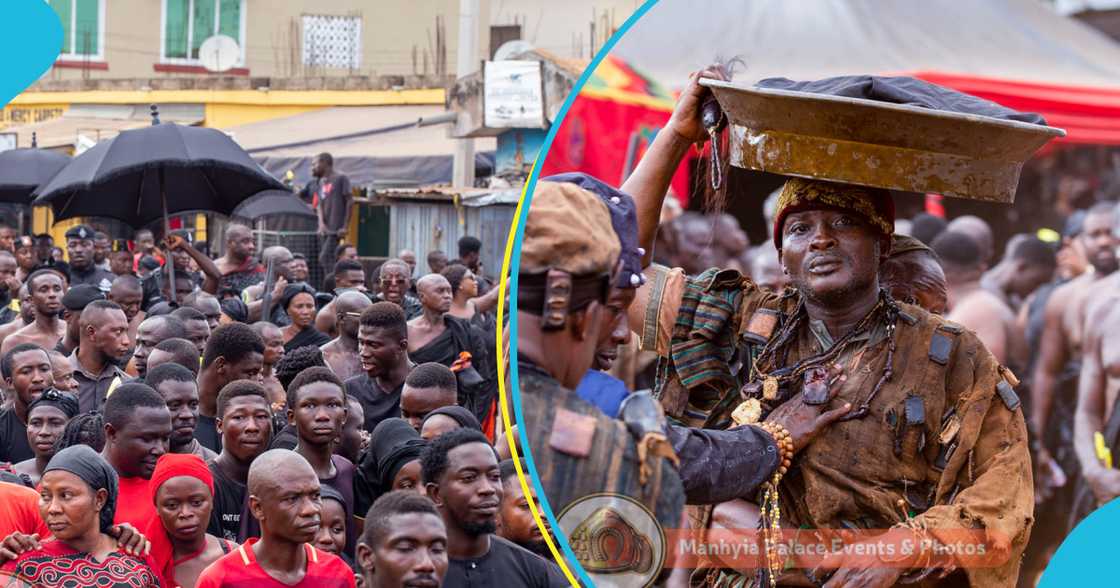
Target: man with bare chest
pixel 47 329
pixel 435 298
pixel 341 353
pixel 970 304
pixel 1060 347
pixel 1097 391
pixel 436 336
pixel 1054 390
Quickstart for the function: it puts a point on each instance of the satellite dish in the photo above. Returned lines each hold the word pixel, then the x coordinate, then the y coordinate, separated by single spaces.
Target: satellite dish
pixel 510 49
pixel 219 53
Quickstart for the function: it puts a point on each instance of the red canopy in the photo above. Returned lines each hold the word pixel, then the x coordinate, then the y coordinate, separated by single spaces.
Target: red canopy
pixel 1090 116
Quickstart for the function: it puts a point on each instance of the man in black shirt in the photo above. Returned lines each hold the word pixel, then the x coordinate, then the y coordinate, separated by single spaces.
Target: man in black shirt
pixel 233 352
pixel 404 542
pixel 44 253
pixel 461 474
pixel 179 389
pixel 517 519
pixel 329 194
pixel 83 270
pixel 245 418
pixel 198 327
pixel 393 283
pixel 383 350
pixel 27 373
pixel 470 255
pixel 429 386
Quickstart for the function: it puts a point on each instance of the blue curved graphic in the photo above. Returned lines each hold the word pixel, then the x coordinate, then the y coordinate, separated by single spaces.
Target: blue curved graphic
pixel 515 266
pixel 1083 558
pixel 32 43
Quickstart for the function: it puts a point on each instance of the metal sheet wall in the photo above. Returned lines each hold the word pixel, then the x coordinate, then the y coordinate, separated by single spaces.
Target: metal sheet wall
pixel 427 226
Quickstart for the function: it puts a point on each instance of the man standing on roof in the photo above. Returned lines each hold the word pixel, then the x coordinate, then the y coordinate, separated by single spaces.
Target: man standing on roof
pixel 329 194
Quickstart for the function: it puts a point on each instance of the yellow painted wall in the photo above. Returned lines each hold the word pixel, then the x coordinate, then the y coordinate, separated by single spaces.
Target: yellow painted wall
pixel 230 115
pixel 244 97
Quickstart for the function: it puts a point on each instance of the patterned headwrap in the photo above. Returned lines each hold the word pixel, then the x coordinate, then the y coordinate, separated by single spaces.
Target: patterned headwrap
pixel 873 204
pixel 64 401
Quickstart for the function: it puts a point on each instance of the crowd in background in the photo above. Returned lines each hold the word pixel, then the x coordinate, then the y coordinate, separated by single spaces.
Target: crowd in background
pixel 240 424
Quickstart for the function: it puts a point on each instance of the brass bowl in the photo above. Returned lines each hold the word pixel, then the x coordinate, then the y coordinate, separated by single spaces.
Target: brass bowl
pixel 879 144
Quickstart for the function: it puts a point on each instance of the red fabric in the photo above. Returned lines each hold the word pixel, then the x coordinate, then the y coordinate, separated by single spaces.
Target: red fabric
pixel 594 138
pixel 58 564
pixel 490 423
pixel 134 503
pixel 935 205
pixel 157 254
pixel 20 511
pixel 171 465
pixel 239 568
pixel 1090 116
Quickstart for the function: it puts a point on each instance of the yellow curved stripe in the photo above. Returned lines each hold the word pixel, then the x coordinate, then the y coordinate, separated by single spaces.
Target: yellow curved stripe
pixel 503 398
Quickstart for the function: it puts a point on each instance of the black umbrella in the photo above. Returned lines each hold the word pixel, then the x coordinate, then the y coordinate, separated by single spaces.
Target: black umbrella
pixel 273 202
pixel 24 170
pixel 143 175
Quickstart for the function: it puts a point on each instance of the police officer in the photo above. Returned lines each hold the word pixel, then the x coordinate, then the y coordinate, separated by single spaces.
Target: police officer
pixel 83 270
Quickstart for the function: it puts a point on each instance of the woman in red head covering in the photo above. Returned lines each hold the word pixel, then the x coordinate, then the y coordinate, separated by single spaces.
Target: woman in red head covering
pixel 183 491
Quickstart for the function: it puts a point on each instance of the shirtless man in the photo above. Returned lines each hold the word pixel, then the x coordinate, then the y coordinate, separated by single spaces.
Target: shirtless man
pixel 1098 387
pixel 47 329
pixel 435 298
pixel 239 270
pixel 1060 344
pixel 971 305
pixel 341 353
pixel 1028 263
pixel 980 232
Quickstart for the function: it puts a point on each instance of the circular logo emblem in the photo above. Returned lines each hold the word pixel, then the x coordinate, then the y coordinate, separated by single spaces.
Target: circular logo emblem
pixel 616 539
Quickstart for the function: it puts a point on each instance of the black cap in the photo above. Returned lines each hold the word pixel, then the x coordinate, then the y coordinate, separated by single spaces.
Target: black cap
pixel 80 295
pixel 149 263
pixel 80 232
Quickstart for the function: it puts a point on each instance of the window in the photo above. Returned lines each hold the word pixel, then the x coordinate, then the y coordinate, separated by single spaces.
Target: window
pixel 332 41
pixel 188 23
pixel 83 27
pixel 501 34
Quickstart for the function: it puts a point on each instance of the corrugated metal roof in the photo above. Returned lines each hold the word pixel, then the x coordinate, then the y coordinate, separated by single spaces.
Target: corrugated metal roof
pixel 308 128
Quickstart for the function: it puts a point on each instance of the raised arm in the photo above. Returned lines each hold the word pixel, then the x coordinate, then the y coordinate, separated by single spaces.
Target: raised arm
pixel 207 265
pixel 650 181
pixel 487 301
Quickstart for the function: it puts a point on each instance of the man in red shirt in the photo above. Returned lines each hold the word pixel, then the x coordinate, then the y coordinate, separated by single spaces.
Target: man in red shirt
pixel 21 511
pixel 284 497
pixel 137 432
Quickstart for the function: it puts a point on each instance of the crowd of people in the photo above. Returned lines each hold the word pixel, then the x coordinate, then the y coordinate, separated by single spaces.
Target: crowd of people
pixel 239 424
pixel 897 373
